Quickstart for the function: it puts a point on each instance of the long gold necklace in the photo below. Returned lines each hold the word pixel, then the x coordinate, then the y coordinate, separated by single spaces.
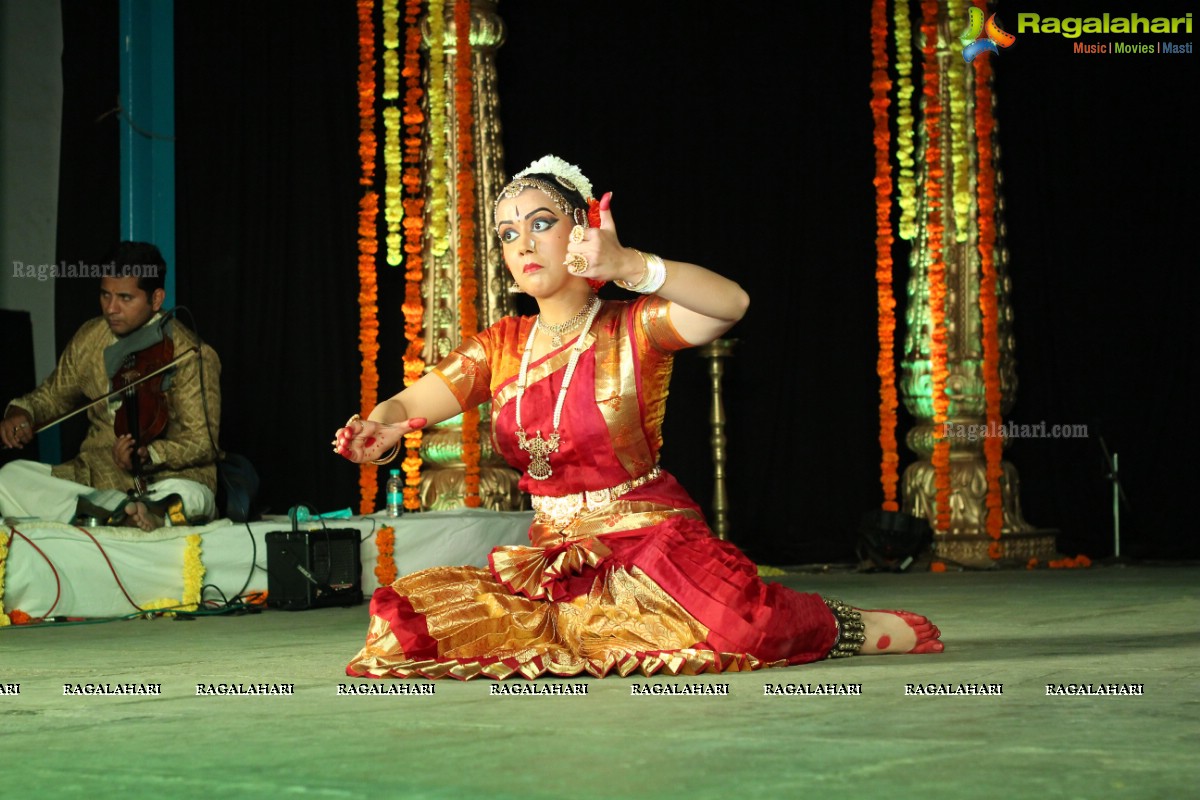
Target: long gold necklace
pixel 539 449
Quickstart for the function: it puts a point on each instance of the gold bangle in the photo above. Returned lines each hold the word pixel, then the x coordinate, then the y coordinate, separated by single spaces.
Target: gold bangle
pixel 641 278
pixel 652 279
pixel 390 457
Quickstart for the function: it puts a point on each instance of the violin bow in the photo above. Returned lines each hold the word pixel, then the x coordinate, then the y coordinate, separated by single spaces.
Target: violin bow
pixel 191 351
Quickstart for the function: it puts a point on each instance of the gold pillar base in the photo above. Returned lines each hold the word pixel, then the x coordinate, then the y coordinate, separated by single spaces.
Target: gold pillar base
pixel 445 488
pixel 967 542
pixel 443 476
pixel 972 551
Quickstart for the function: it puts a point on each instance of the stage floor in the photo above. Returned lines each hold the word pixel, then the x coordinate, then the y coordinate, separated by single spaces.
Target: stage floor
pixel 1129 626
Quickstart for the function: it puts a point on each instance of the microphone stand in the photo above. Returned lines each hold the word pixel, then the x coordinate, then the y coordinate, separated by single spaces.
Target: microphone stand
pixel 1118 497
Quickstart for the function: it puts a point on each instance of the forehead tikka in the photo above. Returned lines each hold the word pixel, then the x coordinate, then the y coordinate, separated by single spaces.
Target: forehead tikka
pixel 519 185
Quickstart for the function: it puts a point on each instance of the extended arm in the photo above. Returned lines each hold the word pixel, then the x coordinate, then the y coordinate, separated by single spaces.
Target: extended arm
pixel 428 401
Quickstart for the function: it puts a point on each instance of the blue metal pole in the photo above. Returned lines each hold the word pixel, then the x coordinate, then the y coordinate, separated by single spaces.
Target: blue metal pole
pixel 147 91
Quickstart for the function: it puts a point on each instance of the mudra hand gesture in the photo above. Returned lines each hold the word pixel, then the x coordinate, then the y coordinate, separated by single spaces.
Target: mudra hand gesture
pixel 361 440
pixel 597 253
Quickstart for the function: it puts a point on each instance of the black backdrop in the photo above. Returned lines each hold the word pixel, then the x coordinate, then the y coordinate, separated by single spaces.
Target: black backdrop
pixel 736 136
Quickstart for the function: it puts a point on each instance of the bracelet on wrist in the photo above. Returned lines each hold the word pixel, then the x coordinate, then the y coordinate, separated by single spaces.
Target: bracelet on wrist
pixel 652 278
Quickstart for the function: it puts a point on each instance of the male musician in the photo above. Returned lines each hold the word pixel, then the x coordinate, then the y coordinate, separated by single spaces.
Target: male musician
pixel 178 468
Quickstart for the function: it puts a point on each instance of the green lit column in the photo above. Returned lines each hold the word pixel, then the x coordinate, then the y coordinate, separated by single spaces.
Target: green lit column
pixel 148 131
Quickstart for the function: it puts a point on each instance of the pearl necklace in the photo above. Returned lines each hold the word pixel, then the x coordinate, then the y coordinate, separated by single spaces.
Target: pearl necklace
pixel 539 449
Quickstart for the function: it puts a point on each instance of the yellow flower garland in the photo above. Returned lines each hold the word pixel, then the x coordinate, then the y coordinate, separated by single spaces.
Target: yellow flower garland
pixel 439 198
pixel 391 58
pixel 960 153
pixel 906 181
pixel 193 580
pixel 393 207
pixel 4 539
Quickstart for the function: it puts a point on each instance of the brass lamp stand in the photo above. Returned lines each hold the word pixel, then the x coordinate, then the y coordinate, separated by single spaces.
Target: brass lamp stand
pixel 715 352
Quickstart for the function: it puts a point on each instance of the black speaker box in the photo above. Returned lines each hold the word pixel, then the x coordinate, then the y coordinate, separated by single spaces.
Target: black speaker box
pixel 313 569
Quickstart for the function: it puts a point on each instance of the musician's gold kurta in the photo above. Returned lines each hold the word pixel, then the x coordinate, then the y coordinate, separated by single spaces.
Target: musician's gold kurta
pixel 185 450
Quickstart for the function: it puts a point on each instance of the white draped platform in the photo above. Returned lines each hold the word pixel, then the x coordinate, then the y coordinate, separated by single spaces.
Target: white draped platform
pixel 63 571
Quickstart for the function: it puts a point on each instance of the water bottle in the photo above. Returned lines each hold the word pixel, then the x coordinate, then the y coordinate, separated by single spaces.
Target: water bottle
pixel 395 494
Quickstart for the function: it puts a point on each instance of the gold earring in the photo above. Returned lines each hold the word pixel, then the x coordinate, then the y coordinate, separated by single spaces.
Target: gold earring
pixel 515 288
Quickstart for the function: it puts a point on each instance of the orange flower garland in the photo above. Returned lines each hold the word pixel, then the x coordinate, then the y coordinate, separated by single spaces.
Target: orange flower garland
pixel 993 445
pixel 465 184
pixel 368 245
pixel 385 564
pixel 885 366
pixel 414 233
pixel 366 92
pixel 934 227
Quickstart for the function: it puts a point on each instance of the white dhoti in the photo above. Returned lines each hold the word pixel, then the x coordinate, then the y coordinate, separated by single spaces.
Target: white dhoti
pixel 28 489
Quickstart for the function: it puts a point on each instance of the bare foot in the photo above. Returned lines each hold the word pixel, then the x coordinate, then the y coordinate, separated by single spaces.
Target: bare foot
pixel 143 516
pixel 899 632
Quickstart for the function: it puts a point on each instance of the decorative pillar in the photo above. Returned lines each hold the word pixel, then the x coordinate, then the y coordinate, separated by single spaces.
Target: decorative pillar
pixel 966 541
pixel 442 479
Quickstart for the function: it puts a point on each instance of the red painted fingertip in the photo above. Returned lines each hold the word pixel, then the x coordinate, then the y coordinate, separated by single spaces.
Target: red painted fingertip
pixel 606 201
pixel 417 422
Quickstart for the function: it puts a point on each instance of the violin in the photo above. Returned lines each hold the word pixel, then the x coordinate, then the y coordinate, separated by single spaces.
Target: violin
pixel 143 413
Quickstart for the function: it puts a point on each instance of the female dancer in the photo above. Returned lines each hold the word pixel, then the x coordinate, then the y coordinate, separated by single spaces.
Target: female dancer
pixel 622 574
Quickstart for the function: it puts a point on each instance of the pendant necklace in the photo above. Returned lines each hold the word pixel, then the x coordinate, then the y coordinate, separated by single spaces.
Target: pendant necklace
pixel 556 331
pixel 539 449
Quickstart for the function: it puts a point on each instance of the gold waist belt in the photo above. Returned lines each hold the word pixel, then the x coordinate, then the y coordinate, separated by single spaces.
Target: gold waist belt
pixel 562 510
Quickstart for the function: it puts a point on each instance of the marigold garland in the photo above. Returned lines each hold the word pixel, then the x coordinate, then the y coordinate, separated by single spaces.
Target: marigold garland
pixel 414 238
pixel 385 564
pixel 4 539
pixel 959 132
pixel 368 336
pixel 193 581
pixel 439 195
pixel 906 182
pixel 366 92
pixel 885 365
pixel 393 206
pixel 368 246
pixel 391 40
pixel 934 228
pixel 465 186
pixel 993 445
pixel 1078 562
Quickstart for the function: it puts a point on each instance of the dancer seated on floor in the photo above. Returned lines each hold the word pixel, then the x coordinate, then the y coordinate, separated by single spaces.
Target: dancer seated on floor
pixel 622 573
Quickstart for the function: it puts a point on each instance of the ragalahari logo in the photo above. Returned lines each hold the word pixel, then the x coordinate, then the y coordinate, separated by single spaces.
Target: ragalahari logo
pixel 982 37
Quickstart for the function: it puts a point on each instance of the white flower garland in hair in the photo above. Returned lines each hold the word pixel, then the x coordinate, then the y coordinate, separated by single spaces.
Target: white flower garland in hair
pixel 553 165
